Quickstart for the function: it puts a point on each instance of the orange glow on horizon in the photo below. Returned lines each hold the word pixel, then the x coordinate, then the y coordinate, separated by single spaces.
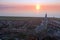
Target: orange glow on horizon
pixel 31 8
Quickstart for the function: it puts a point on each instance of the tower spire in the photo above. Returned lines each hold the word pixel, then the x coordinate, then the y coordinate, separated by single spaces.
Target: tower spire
pixel 46 15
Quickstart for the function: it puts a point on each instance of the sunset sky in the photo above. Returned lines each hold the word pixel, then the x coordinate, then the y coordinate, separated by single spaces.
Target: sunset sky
pixel 27 8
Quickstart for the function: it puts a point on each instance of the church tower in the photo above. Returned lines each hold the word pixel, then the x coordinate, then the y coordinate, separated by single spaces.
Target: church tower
pixel 46 17
pixel 46 20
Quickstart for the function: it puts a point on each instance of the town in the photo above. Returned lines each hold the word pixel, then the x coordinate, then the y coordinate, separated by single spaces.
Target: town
pixel 33 28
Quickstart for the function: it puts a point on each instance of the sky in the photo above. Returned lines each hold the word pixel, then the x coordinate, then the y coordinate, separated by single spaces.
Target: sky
pixel 27 8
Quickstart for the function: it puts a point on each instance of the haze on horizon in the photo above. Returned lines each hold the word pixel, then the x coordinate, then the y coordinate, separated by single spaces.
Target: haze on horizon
pixel 27 8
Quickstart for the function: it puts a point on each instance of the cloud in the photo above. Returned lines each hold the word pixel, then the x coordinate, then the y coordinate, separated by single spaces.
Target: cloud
pixel 4 7
pixel 29 8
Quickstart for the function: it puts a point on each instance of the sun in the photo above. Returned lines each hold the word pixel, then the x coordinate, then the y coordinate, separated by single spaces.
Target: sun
pixel 38 7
